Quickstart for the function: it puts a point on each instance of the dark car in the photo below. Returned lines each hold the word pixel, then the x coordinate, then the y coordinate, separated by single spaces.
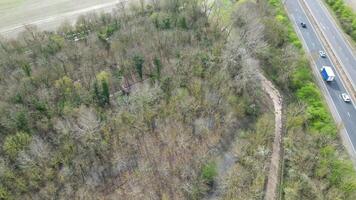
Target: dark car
pixel 304 25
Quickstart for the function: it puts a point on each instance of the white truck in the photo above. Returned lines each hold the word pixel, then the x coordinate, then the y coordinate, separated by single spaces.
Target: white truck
pixel 327 73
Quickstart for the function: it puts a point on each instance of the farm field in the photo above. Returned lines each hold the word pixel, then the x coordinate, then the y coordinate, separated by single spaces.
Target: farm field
pixel 44 13
pixel 351 3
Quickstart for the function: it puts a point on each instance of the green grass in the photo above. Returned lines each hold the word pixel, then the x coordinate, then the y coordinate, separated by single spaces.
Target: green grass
pixel 8 4
pixel 345 15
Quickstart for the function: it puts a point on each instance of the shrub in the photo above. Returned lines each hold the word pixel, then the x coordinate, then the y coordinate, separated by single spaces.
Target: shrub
pixel 208 173
pixel 345 16
pixel 15 143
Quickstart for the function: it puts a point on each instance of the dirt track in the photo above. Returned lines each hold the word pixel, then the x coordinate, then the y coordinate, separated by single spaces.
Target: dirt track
pixel 46 14
pixel 274 168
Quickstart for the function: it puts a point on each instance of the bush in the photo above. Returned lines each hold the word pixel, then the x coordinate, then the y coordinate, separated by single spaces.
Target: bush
pixel 282 17
pixel 208 173
pixel 15 143
pixel 345 16
pixel 4 194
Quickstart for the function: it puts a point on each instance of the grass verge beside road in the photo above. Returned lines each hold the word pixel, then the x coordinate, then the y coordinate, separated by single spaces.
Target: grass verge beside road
pixel 8 4
pixel 345 16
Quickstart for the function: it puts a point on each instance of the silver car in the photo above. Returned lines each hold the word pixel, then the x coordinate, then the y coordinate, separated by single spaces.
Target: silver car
pixel 346 97
pixel 322 54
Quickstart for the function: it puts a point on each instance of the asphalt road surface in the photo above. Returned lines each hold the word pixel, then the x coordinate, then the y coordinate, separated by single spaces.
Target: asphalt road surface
pixel 336 39
pixel 46 14
pixel 334 89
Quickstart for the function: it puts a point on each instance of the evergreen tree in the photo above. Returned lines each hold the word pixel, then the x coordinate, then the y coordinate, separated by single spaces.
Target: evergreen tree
pixel 158 65
pixel 105 93
pixel 138 62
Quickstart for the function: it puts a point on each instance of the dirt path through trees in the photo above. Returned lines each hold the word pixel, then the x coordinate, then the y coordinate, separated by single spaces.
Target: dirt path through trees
pixel 274 168
pixel 228 159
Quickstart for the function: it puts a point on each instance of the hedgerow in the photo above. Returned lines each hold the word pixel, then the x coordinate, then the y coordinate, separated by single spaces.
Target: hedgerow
pixel 345 15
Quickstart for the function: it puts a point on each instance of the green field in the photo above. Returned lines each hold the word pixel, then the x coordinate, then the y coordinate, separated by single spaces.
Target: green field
pixel 8 4
pixel 15 13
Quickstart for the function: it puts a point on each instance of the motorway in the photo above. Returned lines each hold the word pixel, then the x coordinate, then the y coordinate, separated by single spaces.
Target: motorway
pixel 345 112
pixel 336 39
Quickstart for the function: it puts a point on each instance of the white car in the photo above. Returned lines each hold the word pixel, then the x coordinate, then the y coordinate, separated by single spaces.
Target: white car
pixel 322 54
pixel 346 97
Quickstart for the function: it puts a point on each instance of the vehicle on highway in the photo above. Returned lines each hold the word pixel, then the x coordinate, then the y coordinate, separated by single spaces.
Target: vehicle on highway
pixel 346 97
pixel 322 54
pixel 304 25
pixel 327 73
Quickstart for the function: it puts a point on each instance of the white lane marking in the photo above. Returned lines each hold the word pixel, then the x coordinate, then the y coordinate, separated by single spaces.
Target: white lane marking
pixel 348 113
